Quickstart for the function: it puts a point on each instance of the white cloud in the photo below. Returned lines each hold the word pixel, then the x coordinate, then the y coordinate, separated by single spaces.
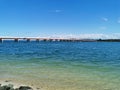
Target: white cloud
pixel 103 28
pixel 86 36
pixel 56 11
pixel 104 19
pixel 118 20
pixel 79 36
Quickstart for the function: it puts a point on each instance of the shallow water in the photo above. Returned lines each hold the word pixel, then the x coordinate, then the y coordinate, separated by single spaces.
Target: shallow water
pixel 62 65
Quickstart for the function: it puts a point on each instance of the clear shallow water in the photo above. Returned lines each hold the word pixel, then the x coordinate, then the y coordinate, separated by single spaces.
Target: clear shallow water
pixel 62 65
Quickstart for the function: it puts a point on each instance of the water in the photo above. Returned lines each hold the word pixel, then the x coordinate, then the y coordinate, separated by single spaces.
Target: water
pixel 62 65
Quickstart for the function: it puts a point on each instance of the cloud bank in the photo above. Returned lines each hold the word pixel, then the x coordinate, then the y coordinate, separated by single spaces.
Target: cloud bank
pixel 76 36
pixel 86 36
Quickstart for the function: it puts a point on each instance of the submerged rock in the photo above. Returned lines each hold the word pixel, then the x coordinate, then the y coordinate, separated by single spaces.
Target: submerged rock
pixel 7 87
pixel 10 87
pixel 25 88
pixel 7 80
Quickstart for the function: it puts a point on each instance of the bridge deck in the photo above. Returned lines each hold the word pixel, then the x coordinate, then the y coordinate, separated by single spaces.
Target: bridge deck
pixel 16 39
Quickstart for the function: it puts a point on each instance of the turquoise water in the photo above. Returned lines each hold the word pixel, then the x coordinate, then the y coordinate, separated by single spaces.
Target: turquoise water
pixel 62 65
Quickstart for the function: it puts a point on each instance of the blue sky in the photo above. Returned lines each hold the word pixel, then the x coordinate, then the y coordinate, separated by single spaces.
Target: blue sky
pixel 35 18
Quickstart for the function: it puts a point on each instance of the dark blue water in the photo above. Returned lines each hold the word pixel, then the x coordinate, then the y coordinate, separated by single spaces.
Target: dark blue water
pixel 92 64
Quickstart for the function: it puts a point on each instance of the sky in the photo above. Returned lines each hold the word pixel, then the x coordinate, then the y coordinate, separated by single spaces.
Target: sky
pixel 60 18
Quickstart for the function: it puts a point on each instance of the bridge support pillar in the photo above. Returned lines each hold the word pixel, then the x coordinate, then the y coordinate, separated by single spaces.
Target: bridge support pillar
pixel 1 40
pixel 16 40
pixel 28 40
pixel 37 40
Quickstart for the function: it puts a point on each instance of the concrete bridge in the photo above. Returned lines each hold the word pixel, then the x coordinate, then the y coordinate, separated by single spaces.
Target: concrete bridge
pixel 57 39
pixel 46 39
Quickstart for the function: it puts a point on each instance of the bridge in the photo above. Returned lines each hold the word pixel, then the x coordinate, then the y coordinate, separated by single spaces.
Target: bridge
pixel 46 39
pixel 58 39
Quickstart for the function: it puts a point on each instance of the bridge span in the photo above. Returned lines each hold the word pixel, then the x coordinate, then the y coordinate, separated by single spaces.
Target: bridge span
pixel 45 39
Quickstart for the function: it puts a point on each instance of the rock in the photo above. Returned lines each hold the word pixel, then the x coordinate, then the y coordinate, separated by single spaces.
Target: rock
pixel 37 88
pixel 17 89
pixel 10 87
pixel 7 87
pixel 7 80
pixel 25 88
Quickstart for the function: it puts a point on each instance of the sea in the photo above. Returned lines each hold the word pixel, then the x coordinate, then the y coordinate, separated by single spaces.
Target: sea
pixel 62 65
